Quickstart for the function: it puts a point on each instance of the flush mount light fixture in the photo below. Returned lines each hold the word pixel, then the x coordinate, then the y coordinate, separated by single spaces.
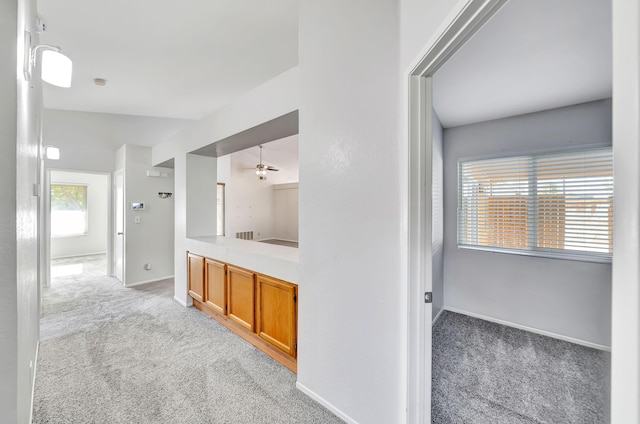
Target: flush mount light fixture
pixel 56 68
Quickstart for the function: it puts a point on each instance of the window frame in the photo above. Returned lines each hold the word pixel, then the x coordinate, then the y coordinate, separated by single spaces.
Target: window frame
pixel 540 252
pixel 86 210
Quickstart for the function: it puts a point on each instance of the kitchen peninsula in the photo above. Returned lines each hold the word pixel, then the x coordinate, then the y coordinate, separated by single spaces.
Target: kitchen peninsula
pixel 249 287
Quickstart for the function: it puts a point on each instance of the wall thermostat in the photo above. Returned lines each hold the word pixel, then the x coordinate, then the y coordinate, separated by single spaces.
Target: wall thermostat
pixel 137 206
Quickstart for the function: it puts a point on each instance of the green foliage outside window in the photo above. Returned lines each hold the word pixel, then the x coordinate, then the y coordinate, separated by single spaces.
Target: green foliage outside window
pixel 68 197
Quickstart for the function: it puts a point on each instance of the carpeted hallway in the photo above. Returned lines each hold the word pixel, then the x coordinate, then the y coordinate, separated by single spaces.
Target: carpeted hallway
pixel 114 355
pixel 489 373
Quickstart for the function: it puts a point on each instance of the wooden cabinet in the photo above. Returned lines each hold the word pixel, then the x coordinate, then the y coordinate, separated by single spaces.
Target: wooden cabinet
pixel 261 309
pixel 241 296
pixel 215 279
pixel 276 310
pixel 195 276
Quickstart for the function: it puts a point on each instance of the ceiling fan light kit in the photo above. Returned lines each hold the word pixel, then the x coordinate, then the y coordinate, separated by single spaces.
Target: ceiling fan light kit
pixel 261 169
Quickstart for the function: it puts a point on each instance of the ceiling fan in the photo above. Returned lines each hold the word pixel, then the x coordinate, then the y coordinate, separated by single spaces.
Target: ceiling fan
pixel 261 169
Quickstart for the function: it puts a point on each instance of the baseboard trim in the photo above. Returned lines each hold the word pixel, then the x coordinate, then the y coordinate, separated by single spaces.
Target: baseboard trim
pixel 313 395
pixel 438 315
pixel 180 302
pixel 531 329
pixel 154 280
pixel 33 381
pixel 79 255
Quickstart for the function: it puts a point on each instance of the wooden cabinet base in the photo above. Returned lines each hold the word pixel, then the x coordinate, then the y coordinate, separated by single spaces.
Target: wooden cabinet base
pixel 288 361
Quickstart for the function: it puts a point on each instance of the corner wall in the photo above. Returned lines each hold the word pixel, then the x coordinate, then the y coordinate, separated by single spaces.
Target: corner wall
pixel 566 298
pixel 352 306
pixel 151 240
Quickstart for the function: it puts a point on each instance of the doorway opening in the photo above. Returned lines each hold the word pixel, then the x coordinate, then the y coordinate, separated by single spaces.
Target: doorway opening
pixel 453 275
pixel 78 225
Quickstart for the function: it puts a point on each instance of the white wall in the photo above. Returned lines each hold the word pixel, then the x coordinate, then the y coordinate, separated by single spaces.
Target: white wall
pixel 8 209
pixel 151 240
pixel 201 195
pixel 285 211
pixel 568 298
pixel 437 214
pixel 352 308
pixel 273 99
pixel 95 241
pixel 81 147
pixel 88 140
pixel 250 201
pixel 419 21
pixel 20 107
pixel 180 227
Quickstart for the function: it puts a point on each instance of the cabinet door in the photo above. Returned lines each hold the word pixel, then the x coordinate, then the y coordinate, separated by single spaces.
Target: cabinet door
pixel 241 296
pixel 215 286
pixel 195 277
pixel 277 314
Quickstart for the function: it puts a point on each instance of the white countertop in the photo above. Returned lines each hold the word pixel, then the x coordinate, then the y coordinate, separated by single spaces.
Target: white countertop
pixel 268 259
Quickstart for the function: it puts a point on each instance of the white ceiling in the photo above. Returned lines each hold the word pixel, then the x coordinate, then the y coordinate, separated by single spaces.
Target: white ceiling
pixel 533 55
pixel 186 59
pixel 177 59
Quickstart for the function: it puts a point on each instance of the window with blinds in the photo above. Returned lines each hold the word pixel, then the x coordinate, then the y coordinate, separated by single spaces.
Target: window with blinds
pixel 554 205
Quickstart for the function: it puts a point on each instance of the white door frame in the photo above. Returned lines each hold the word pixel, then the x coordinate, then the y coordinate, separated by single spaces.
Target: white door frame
pixel 463 23
pixel 625 323
pixel 113 236
pixel 466 19
pixel 47 220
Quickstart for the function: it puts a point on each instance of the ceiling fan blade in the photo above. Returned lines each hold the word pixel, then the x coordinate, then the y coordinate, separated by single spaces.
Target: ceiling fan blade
pixel 272 168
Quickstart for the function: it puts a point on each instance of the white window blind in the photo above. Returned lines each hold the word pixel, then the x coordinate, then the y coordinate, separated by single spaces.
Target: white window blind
pixel 558 205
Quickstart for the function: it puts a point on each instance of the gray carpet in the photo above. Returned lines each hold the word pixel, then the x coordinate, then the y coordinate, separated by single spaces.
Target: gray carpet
pixel 114 355
pixel 489 373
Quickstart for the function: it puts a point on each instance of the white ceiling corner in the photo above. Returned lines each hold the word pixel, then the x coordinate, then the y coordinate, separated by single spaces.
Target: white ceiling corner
pixel 532 55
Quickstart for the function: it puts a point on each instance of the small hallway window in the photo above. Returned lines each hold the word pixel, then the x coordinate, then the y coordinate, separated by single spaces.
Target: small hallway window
pixel 68 210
